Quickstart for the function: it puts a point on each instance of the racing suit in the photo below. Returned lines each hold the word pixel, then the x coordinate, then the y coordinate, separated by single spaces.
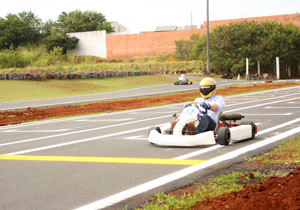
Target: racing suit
pixel 209 121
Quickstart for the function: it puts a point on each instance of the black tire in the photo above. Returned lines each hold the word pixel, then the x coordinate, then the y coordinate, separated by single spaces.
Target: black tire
pixel 224 136
pixel 253 127
pixel 154 128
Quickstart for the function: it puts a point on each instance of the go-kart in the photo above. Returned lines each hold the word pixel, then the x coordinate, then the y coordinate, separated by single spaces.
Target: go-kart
pixel 183 82
pixel 182 132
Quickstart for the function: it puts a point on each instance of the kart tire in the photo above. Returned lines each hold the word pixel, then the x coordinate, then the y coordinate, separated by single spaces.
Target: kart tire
pixel 223 136
pixel 176 83
pixel 253 127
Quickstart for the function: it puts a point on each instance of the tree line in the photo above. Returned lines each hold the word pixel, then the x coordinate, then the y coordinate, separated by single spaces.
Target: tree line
pixel 26 28
pixel 231 44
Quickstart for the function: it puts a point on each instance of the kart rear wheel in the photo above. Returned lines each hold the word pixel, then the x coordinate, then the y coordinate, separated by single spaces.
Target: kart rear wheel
pixel 254 131
pixel 223 136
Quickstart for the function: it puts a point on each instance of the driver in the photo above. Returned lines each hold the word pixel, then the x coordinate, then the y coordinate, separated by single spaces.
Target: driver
pixel 182 78
pixel 214 104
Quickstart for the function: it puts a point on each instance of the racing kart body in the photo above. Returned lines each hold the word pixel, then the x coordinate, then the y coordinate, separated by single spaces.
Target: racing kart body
pixel 183 82
pixel 182 130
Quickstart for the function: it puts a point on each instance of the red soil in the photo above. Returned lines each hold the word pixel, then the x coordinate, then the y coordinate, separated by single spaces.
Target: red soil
pixel 275 193
pixel 32 114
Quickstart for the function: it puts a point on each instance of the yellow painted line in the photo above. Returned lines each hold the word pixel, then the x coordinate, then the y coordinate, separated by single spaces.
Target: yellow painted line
pixel 158 161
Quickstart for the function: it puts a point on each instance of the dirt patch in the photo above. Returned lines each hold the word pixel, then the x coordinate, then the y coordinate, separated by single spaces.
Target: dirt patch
pixel 32 114
pixel 275 193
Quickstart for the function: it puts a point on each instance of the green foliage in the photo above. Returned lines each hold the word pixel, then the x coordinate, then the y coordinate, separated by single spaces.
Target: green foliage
pixel 78 21
pixel 54 57
pixel 184 48
pixel 215 187
pixel 63 41
pixel 11 58
pixel 231 44
pixel 287 152
pixel 19 29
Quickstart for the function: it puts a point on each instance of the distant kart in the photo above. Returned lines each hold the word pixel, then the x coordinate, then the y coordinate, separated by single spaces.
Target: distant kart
pixel 181 132
pixel 183 82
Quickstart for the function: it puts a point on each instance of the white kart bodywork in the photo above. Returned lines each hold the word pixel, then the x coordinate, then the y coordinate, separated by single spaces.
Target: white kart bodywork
pixel 188 115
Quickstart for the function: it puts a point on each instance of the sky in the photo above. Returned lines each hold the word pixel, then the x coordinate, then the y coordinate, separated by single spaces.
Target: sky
pixel 146 15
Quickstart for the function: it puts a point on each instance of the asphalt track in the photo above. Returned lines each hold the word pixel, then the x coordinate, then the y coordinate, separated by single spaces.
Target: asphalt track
pixel 137 92
pixel 105 162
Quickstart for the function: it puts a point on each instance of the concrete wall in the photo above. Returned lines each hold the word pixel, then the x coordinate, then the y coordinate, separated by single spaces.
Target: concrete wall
pixel 91 43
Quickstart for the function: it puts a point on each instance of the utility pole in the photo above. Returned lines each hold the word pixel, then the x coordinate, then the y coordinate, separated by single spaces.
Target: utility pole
pixel 208 58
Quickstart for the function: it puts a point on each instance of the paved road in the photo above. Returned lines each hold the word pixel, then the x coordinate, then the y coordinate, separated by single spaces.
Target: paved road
pixel 137 92
pixel 105 162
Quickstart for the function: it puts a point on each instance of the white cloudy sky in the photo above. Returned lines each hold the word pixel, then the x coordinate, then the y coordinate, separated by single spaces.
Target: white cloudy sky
pixel 146 15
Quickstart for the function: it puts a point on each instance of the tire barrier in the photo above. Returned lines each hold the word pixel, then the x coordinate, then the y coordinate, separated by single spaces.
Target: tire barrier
pixel 64 76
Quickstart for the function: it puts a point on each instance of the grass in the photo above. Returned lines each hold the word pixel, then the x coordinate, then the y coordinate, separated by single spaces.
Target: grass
pixel 14 90
pixel 287 153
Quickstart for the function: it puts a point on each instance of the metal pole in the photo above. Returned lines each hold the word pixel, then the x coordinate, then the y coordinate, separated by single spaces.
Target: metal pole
pixel 247 67
pixel 208 58
pixel 277 68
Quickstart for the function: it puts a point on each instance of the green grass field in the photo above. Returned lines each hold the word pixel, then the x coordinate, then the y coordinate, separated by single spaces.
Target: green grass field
pixel 15 90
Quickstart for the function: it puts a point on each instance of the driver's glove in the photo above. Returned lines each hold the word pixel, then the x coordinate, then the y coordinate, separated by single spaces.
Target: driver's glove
pixel 187 104
pixel 206 105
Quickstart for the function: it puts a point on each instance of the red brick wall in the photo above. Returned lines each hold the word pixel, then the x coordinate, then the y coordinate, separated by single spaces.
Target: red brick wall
pixel 292 18
pixel 146 44
pixel 154 43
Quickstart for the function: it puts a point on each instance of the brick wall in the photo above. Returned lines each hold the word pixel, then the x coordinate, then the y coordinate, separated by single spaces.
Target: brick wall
pixel 292 18
pixel 154 43
pixel 146 44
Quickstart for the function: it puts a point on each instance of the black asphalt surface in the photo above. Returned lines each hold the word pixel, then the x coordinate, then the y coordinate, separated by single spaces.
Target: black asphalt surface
pixel 46 165
pixel 137 92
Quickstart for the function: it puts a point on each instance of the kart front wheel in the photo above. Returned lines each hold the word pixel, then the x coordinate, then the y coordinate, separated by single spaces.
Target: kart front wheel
pixel 223 136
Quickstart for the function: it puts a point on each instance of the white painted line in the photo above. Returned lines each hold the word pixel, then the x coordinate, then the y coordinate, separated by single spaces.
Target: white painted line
pixel 104 120
pixel 77 141
pixel 148 108
pixel 136 138
pixel 199 152
pixel 287 107
pixel 80 131
pixel 278 126
pixel 113 199
pixel 167 112
pixel 202 151
pixel 34 131
pixel 263 104
pixel 279 114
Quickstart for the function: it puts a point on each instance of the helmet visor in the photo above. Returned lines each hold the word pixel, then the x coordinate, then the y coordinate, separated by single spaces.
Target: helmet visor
pixel 205 90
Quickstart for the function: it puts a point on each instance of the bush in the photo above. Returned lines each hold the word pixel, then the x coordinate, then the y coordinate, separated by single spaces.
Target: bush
pixel 63 41
pixel 11 58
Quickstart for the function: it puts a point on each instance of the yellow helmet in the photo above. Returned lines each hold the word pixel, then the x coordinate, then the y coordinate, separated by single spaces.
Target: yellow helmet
pixel 207 87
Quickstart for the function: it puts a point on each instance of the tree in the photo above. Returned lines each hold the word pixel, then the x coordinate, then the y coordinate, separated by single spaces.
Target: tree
pixel 78 21
pixel 232 44
pixel 19 29
pixel 63 41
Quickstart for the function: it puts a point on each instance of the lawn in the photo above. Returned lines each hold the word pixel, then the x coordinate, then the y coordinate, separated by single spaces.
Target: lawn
pixel 15 90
